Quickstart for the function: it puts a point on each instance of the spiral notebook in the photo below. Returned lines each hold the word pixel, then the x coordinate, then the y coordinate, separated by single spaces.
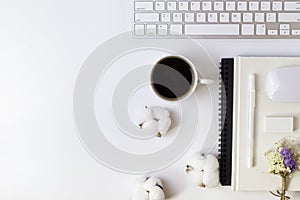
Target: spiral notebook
pixel 225 119
pixel 234 140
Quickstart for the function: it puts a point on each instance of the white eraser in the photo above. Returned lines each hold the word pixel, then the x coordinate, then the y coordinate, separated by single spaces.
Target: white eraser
pixel 279 124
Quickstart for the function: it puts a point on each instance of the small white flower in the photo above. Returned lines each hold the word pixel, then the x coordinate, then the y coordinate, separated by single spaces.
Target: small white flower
pixel 276 162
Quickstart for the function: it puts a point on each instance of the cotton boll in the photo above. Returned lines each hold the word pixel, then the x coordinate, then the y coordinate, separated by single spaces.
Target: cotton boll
pixel 140 194
pixel 196 177
pixel 149 113
pixel 159 112
pixel 211 171
pixel 156 193
pixel 203 170
pixel 197 162
pixel 164 125
pixel 211 179
pixel 211 163
pixel 148 188
pixel 140 182
pixel 150 123
pixel 151 183
pixel 158 181
pixel 158 121
pixel 151 126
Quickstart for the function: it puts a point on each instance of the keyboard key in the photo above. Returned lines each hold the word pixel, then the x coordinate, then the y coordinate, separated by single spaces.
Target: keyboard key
pixel 265 6
pixel 177 17
pixel 141 6
pixel 292 6
pixel 146 17
pixel 247 17
pixel 201 17
pixel 253 6
pixel 189 17
pixel 271 17
pixel 289 17
pixel 272 32
pixel 247 29
pixel 171 5
pixel 175 29
pixel 160 5
pixel 165 17
pixel 212 17
pixel 236 17
pixel 162 29
pixel 195 6
pixel 259 17
pixel 139 29
pixel 242 6
pixel 284 32
pixel 218 6
pixel 212 29
pixel 295 32
pixel 183 5
pixel 277 6
pixel 230 5
pixel 151 30
pixel 260 29
pixel 284 26
pixel 206 6
pixel 224 17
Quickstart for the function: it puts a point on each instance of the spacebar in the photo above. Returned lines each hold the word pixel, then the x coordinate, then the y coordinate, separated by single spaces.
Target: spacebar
pixel 212 29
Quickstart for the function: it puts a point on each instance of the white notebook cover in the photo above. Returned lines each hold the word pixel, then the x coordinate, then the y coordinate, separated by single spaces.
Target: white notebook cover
pixel 257 177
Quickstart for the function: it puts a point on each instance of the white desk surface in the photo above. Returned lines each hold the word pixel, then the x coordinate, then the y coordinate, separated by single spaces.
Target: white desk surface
pixel 40 154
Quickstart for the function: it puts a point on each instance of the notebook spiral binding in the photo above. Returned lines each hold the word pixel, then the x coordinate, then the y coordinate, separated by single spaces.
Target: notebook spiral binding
pixel 225 119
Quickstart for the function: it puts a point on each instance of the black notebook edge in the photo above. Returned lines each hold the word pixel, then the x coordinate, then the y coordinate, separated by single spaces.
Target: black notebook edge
pixel 226 76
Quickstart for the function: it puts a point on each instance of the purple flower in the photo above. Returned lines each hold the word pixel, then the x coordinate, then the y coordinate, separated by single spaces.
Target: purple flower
pixel 290 164
pixel 285 152
pixel 288 161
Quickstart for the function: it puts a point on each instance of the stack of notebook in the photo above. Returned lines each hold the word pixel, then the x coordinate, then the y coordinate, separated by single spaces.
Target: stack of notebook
pixel 234 123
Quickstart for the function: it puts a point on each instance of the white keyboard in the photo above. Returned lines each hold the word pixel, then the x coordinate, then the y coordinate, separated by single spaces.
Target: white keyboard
pixel 217 19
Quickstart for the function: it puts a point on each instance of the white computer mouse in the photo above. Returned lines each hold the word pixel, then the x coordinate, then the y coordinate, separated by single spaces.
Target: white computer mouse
pixel 283 84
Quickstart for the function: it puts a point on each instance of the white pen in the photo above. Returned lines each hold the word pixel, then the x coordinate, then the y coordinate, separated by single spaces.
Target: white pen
pixel 251 113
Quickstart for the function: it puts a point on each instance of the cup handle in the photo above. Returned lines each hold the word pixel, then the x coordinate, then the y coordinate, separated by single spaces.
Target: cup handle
pixel 206 81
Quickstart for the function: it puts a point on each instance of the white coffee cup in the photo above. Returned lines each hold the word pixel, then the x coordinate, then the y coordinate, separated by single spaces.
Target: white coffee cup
pixel 175 78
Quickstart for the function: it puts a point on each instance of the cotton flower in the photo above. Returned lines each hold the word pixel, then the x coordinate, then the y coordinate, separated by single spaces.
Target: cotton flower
pixel 138 192
pixel 163 126
pixel 157 112
pixel 158 120
pixel 203 170
pixel 156 193
pixel 148 188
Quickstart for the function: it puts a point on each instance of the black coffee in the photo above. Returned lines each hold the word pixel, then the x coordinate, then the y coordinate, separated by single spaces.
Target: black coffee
pixel 172 78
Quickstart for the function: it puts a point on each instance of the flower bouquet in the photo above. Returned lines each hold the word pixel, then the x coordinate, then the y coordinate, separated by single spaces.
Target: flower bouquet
pixel 284 161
